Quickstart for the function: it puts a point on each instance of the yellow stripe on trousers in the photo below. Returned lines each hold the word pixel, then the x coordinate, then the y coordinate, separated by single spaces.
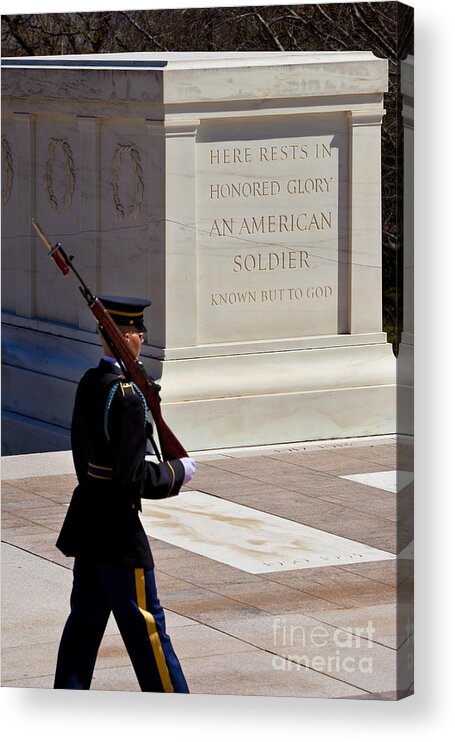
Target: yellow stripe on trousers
pixel 152 632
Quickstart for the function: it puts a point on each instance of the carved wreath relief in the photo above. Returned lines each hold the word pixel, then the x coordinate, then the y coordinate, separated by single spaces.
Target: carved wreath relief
pixel 7 171
pixel 57 146
pixel 61 149
pixel 132 211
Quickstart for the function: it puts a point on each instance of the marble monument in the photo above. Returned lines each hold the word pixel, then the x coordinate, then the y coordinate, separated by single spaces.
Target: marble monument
pixel 242 194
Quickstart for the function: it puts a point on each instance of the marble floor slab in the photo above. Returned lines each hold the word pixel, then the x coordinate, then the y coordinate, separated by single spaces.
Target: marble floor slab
pixel 238 624
pixel 390 481
pixel 249 539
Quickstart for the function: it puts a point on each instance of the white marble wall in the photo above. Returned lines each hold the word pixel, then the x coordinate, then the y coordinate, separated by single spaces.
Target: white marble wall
pixel 241 193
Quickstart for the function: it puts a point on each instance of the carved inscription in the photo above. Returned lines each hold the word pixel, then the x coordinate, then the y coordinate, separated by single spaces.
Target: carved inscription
pixel 270 295
pixel 270 212
pixel 270 223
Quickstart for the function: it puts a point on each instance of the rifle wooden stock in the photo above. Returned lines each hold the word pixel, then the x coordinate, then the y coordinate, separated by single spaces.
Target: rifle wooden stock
pixel 133 369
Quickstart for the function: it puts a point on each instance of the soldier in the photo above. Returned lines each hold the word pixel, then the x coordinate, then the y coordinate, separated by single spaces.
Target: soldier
pixel 113 567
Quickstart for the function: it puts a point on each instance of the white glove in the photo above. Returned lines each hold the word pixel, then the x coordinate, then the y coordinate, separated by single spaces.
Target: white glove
pixel 190 468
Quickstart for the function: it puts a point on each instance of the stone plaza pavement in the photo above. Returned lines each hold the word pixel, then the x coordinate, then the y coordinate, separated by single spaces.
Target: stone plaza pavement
pixel 278 571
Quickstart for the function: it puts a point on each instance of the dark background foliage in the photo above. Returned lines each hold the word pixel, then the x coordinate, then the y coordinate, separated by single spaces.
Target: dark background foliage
pixel 385 28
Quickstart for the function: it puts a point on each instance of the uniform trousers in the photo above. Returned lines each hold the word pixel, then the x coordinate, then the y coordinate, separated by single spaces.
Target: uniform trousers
pixel 130 593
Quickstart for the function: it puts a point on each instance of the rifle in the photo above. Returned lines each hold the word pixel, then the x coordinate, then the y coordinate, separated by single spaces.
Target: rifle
pixel 132 368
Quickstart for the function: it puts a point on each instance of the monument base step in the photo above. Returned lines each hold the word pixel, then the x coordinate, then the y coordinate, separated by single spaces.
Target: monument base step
pixel 23 435
pixel 229 401
pixel 283 418
pixel 242 421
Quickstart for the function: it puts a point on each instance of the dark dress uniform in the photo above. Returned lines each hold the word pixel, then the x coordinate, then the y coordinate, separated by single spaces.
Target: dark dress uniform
pixel 113 568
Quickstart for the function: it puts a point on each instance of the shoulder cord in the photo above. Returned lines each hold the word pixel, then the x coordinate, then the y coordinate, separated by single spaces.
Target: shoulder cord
pixel 110 397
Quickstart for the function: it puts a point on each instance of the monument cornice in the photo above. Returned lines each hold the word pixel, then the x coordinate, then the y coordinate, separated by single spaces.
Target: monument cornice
pixel 178 78
pixel 366 117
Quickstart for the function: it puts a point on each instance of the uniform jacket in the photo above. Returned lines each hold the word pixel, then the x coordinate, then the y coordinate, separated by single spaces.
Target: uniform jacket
pixel 108 441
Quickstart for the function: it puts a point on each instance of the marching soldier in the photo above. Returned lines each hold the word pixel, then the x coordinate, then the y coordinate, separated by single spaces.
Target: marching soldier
pixel 114 567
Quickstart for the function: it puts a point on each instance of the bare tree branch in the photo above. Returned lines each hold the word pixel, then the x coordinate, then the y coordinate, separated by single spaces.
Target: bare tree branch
pixel 387 49
pixel 142 30
pixel 269 30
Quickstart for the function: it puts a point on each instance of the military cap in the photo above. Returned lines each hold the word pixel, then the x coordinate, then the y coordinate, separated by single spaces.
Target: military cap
pixel 126 310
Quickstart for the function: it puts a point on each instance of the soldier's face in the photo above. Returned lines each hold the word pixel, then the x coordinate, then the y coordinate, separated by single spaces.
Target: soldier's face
pixel 135 339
